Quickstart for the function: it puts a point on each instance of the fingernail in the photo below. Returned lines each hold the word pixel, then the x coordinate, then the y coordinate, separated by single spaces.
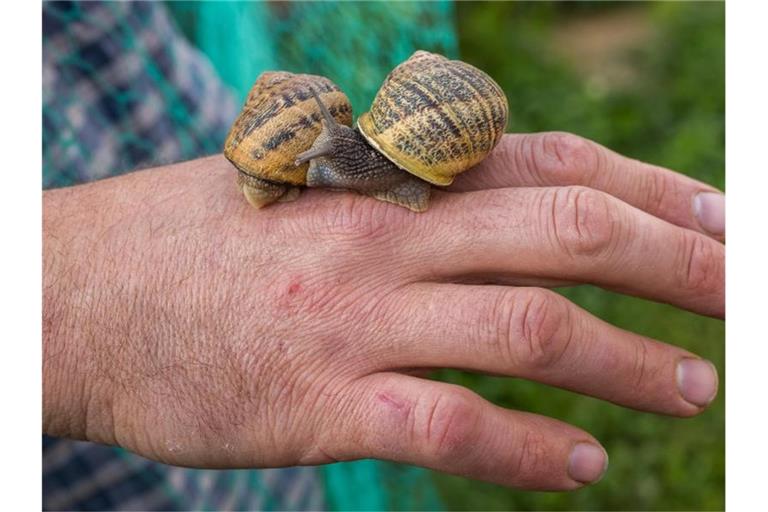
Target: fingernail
pixel 709 208
pixel 697 381
pixel 587 464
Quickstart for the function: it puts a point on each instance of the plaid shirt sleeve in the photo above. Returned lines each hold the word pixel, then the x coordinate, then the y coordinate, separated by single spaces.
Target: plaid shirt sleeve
pixel 122 89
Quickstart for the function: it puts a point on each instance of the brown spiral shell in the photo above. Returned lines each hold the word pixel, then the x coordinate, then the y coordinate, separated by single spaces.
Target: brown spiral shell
pixel 436 117
pixel 279 120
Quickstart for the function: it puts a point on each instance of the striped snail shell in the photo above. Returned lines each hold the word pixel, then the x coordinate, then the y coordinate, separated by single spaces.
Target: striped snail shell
pixel 435 117
pixel 432 119
pixel 280 119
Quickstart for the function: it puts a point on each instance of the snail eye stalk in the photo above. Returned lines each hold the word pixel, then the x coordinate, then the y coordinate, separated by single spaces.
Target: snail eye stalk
pixel 324 143
pixel 327 117
pixel 314 152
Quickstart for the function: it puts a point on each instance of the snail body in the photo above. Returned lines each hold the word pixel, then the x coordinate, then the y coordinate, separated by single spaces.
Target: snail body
pixel 432 119
pixel 340 158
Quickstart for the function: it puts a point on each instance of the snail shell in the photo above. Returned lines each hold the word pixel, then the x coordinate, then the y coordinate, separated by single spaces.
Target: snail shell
pixel 435 117
pixel 280 119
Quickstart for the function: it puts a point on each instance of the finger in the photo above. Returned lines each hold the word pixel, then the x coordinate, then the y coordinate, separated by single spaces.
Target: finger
pixel 448 428
pixel 557 159
pixel 539 335
pixel 567 233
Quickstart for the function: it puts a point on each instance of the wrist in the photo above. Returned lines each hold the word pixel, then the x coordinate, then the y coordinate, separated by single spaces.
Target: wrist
pixel 113 268
pixel 76 400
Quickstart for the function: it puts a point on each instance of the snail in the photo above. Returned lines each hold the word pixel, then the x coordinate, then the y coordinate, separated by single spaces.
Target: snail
pixel 279 120
pixel 432 119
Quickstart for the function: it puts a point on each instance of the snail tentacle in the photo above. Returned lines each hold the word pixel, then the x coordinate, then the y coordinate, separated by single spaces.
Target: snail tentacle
pixel 327 117
pixel 314 152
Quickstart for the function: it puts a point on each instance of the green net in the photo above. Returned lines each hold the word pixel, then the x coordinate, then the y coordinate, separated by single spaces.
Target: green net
pixel 355 44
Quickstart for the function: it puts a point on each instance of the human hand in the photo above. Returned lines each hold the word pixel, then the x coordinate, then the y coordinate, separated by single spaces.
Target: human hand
pixel 188 327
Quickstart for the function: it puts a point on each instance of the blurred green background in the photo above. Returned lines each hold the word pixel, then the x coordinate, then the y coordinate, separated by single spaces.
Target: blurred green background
pixel 647 80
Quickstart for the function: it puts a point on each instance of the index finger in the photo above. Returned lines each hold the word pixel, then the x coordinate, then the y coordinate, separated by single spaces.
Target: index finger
pixel 558 159
pixel 567 233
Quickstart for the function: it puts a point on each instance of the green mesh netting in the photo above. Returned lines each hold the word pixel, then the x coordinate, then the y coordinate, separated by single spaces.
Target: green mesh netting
pixel 354 44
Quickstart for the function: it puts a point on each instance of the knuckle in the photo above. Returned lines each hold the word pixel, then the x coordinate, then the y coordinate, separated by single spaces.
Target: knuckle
pixel 562 158
pixel 582 221
pixel 508 151
pixel 701 269
pixel 640 369
pixel 659 190
pixel 535 330
pixel 357 219
pixel 530 455
pixel 500 328
pixel 449 424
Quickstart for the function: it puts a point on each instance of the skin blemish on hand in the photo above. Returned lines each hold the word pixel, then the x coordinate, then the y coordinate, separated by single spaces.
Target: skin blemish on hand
pixel 288 295
pixel 390 400
pixel 294 288
pixel 394 415
pixel 396 405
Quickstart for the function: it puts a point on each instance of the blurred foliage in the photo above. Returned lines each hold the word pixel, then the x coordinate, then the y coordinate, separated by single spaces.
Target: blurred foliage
pixel 671 113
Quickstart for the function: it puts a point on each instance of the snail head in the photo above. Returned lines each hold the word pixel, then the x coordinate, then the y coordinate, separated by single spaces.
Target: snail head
pixel 332 132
